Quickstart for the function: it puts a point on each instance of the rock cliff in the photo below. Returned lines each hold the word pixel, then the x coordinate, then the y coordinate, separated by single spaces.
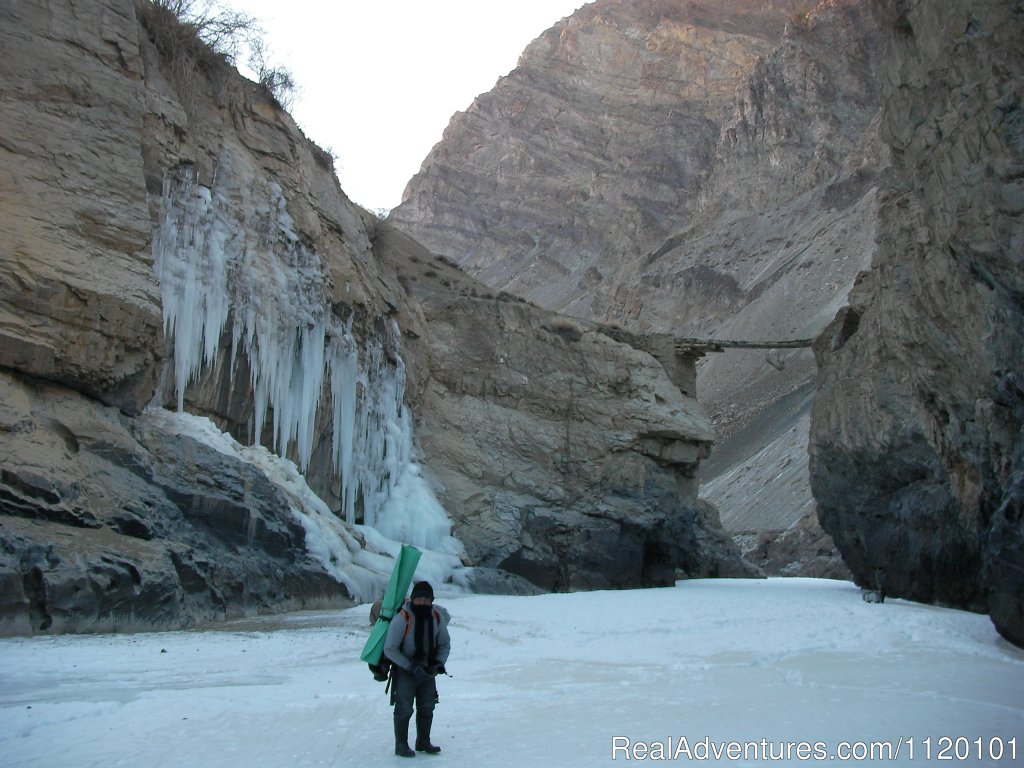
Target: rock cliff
pixel 112 518
pixel 586 154
pixel 700 169
pixel 169 240
pixel 848 171
pixel 916 437
pixel 563 455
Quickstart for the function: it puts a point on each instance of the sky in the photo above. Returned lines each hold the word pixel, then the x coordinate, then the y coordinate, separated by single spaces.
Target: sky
pixel 379 81
pixel 584 679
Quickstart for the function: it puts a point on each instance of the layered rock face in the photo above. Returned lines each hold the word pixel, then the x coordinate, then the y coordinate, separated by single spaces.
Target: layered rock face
pixel 698 169
pixel 109 519
pixel 148 193
pixel 78 298
pixel 563 455
pixel 585 155
pixel 110 523
pixel 916 439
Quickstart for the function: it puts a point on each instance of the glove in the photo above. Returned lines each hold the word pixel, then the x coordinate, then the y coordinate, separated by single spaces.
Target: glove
pixel 437 669
pixel 419 672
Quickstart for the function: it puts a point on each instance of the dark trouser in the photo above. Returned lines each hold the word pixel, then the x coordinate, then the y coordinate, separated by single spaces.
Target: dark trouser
pixel 407 690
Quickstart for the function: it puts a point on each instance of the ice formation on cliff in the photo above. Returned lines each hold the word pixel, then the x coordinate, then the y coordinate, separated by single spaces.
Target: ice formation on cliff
pixel 218 266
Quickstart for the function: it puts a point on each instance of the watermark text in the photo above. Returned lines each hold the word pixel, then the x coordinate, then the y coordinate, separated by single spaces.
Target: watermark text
pixel 946 748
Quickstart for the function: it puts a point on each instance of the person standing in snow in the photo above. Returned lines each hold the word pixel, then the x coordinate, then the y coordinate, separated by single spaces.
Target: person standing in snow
pixel 417 644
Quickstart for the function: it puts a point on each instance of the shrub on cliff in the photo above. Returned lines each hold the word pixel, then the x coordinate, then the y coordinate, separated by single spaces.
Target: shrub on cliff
pixel 201 36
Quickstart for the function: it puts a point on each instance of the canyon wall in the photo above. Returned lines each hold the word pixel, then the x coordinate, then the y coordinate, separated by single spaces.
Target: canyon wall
pixel 916 437
pixel 181 276
pixel 563 454
pixel 696 169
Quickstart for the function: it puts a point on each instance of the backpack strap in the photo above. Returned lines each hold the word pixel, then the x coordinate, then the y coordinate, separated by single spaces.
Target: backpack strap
pixel 408 624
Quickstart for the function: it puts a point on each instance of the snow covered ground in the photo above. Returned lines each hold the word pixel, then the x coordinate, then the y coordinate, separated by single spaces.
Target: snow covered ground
pixel 554 680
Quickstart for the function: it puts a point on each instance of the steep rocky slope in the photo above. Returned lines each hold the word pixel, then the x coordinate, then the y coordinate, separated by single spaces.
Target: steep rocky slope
pixel 169 238
pixel 584 156
pixel 916 438
pixel 702 169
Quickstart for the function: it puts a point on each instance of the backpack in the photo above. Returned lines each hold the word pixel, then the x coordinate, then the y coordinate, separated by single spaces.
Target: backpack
pixel 382 669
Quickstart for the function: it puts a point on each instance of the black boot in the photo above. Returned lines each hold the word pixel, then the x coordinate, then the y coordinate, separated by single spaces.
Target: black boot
pixel 402 738
pixel 423 744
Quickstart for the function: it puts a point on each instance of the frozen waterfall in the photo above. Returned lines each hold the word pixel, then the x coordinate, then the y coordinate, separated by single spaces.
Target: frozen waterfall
pixel 223 263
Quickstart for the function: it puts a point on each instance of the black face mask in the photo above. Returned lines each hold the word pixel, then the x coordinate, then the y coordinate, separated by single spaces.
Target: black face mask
pixel 422 611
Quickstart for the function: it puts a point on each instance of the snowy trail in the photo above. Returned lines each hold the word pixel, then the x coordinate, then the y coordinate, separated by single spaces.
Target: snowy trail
pixel 546 681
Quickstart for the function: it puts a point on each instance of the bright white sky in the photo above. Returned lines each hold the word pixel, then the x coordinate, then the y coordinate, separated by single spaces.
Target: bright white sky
pixel 380 80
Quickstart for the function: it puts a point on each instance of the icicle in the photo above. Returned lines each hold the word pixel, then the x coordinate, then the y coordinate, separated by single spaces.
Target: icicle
pixel 276 293
pixel 344 372
pixel 191 261
pixel 213 265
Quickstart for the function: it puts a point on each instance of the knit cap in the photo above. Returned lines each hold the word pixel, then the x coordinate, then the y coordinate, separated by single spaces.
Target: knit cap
pixel 422 589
